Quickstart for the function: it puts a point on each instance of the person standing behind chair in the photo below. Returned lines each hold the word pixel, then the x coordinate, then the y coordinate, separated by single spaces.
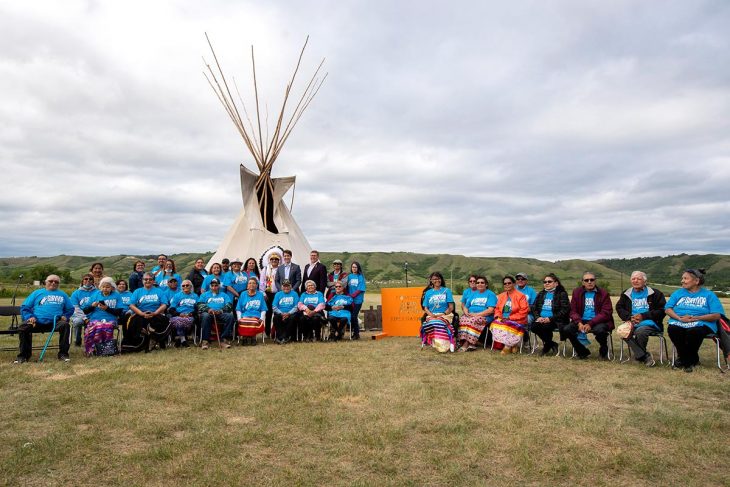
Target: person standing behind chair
pixel 693 312
pixel 356 290
pixel 528 291
pixel 135 278
pixel 38 312
pixel 289 271
pixel 550 312
pixel 337 275
pixel 641 308
pixel 197 275
pixel 591 311
pixel 314 271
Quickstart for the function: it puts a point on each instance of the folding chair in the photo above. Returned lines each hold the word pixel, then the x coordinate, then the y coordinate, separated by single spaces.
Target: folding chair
pixel 663 350
pixel 714 338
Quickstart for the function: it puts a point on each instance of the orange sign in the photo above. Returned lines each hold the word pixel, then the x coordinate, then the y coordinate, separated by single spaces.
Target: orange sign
pixel 401 311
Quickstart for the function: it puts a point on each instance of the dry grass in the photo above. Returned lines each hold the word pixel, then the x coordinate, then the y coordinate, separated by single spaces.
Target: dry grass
pixel 359 413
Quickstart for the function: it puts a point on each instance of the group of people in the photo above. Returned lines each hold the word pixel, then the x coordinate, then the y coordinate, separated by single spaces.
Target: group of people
pixel 504 319
pixel 272 296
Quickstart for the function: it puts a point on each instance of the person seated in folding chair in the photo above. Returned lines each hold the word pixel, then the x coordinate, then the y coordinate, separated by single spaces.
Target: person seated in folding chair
pixel 591 311
pixel 148 324
pixel 251 312
pixel 338 310
pixel 693 313
pixel 641 308
pixel 478 306
pixel 311 304
pixel 80 299
pixel 215 310
pixel 182 313
pixel 437 329
pixel 104 310
pixel 285 312
pixel 38 312
pixel 551 311
pixel 510 318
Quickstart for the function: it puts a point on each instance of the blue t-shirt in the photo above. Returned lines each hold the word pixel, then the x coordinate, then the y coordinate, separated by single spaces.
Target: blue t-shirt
pixel 163 277
pixel 237 281
pixel 206 282
pixel 215 301
pixel 437 301
pixel 639 304
pixel 589 312
pixel 80 297
pixel 340 300
pixel 114 300
pixel 252 306
pixel 184 303
pixel 477 302
pixel 285 303
pixel 465 295
pixel 44 305
pixel 148 300
pixel 126 300
pixel 529 292
pixel 547 305
pixel 356 282
pixel 311 300
pixel 702 302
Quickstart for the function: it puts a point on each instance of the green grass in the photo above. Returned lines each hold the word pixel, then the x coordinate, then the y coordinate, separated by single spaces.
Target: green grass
pixel 359 413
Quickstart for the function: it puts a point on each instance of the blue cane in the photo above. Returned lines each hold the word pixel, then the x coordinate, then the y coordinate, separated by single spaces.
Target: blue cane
pixel 48 340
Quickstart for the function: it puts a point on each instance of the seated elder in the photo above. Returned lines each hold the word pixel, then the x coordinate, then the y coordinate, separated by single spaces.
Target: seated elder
pixel 182 313
pixel 641 308
pixel 251 312
pixel 510 317
pixel 215 310
pixel 148 324
pixel 80 299
pixel 338 310
pixel 551 311
pixel 311 304
pixel 693 313
pixel 285 312
pixel 438 306
pixel 591 311
pixel 104 310
pixel 38 312
pixel 478 312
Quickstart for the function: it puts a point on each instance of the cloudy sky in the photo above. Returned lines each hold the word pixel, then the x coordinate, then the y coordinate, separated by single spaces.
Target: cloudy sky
pixel 554 130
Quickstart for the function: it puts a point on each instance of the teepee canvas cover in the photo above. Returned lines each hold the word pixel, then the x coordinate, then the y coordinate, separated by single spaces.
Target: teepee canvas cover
pixel 264 220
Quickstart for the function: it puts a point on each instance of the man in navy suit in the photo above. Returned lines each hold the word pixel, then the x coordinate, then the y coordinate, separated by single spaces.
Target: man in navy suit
pixel 289 270
pixel 315 271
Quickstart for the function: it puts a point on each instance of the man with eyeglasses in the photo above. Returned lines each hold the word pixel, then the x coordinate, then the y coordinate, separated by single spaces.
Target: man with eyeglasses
pixel 38 311
pixel 591 311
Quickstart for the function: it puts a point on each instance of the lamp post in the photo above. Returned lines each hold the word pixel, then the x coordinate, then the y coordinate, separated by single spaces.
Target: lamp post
pixel 405 266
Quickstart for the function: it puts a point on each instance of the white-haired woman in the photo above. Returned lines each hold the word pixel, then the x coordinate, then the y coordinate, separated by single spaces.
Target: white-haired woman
pixel 311 304
pixel 104 309
pixel 182 312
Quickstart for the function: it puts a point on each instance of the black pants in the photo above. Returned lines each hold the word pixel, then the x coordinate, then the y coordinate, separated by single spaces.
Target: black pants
pixel 639 339
pixel 311 326
pixel 355 323
pixel 138 330
pixel 25 337
pixel 600 330
pixel 269 296
pixel 687 341
pixel 545 332
pixel 285 328
pixel 338 326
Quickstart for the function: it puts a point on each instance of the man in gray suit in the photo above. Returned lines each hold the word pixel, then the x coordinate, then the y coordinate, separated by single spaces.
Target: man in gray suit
pixel 289 270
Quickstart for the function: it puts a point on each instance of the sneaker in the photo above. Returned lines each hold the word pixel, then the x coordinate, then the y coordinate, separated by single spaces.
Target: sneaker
pixel 471 348
pixel 176 344
pixel 226 344
pixel 649 360
pixel 689 368
pixel 184 344
pixel 64 358
pixel 20 360
pixel 204 345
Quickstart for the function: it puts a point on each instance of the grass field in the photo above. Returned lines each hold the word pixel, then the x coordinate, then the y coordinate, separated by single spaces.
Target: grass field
pixel 360 413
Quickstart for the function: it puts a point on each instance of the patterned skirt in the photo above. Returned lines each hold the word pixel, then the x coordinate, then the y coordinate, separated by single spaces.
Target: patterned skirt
pixel 438 333
pixel 250 327
pixel 471 328
pixel 507 332
pixel 182 323
pixel 97 331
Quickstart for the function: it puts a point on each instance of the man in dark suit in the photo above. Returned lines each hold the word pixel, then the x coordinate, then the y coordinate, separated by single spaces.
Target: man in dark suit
pixel 289 270
pixel 315 271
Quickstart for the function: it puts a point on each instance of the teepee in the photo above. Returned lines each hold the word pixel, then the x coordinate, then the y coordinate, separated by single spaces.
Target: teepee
pixel 264 220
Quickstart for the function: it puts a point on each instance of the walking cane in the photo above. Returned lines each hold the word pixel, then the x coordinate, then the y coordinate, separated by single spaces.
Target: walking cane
pixel 48 340
pixel 217 333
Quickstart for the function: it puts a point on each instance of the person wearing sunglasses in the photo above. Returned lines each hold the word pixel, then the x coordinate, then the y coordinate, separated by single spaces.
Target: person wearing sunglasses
pixel 38 312
pixel 80 300
pixel 478 312
pixel 182 312
pixel 551 312
pixel 510 318
pixel 693 313
pixel 591 311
